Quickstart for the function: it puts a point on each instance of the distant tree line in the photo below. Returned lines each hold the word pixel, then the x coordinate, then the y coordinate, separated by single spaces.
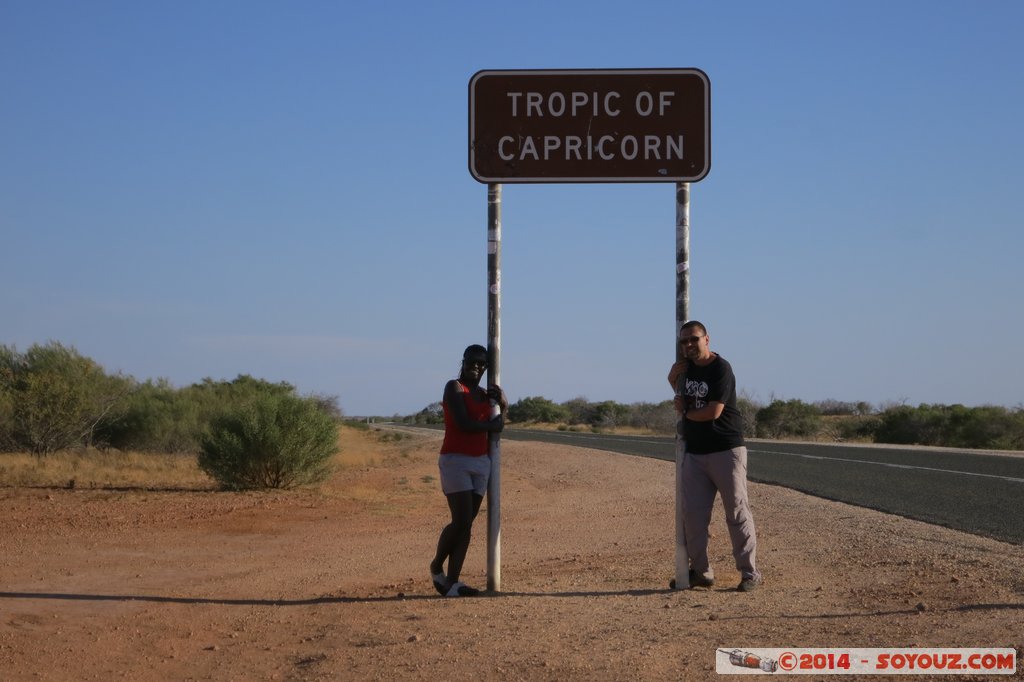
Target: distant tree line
pixel 53 398
pixel 988 427
pixel 576 414
pixel 246 432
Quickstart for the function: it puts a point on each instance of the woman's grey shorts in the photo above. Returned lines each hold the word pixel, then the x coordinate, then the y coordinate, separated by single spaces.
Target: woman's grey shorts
pixel 464 472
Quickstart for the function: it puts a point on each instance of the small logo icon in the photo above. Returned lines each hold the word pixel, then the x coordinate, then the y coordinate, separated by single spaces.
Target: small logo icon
pixel 745 659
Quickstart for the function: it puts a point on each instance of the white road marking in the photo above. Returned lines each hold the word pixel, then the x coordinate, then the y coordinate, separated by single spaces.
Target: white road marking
pixel 894 466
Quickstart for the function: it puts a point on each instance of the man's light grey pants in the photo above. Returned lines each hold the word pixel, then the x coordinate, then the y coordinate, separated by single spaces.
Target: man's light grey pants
pixel 703 476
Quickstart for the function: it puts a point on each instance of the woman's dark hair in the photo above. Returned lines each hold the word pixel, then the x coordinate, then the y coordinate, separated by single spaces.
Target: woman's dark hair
pixel 473 350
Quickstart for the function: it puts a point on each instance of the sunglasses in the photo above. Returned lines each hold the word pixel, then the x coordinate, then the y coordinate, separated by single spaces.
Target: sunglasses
pixel 686 340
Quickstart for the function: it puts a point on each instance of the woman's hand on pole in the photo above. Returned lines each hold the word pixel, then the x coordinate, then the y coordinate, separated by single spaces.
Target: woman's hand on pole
pixel 498 396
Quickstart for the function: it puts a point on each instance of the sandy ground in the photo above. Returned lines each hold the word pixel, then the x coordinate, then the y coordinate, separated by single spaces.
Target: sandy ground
pixel 332 584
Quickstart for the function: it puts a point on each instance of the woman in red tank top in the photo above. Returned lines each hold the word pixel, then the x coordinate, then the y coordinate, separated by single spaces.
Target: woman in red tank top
pixel 464 464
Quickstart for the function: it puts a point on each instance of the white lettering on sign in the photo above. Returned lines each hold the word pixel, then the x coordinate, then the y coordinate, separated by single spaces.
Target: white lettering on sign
pixel 532 104
pixel 645 103
pixel 557 104
pixel 576 148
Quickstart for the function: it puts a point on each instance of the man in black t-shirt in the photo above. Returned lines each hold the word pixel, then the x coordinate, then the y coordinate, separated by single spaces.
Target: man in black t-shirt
pixel 715 460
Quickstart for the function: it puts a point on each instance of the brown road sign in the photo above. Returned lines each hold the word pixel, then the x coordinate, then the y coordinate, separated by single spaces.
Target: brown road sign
pixel 616 125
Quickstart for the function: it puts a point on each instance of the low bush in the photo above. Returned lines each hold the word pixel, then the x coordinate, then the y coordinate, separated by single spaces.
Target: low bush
pixel 953 426
pixel 431 414
pixel 156 417
pixel 788 418
pixel 52 398
pixel 274 440
pixel 536 409
pixel 748 409
pixel 856 428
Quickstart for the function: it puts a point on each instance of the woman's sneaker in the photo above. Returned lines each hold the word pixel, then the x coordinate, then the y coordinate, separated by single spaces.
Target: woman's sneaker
pixel 440 581
pixel 460 589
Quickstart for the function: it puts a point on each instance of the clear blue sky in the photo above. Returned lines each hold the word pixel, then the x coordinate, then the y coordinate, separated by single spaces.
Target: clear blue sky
pixel 203 189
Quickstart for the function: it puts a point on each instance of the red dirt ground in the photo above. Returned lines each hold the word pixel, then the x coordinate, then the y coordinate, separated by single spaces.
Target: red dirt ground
pixel 332 584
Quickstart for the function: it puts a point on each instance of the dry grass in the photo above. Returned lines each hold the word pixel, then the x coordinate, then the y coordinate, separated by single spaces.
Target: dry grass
pixel 103 469
pixel 90 468
pixel 587 428
pixel 357 448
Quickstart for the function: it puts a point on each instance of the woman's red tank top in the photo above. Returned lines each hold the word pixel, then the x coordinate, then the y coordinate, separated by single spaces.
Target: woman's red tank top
pixel 457 441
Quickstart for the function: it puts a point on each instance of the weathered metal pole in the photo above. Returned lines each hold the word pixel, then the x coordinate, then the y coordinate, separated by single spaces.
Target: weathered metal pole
pixel 682 316
pixel 493 379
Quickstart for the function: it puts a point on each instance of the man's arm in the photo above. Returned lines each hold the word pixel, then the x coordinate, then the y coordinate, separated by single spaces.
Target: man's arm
pixel 678 369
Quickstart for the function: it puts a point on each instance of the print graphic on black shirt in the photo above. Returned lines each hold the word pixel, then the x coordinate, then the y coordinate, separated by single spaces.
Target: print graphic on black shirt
pixel 696 394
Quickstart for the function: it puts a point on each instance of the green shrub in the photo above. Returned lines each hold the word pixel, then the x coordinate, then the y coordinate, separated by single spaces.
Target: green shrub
pixel 605 414
pixel 536 409
pixel 658 417
pixel 609 414
pixel 988 426
pixel 953 426
pixel 843 408
pixel 748 409
pixel 156 418
pixel 431 414
pixel 8 363
pixel 53 398
pixel 788 418
pixel 274 440
pixel 7 440
pixel 580 410
pixel 857 428
pixel 910 425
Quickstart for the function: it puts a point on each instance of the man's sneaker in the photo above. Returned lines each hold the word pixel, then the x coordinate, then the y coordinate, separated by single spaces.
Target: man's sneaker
pixel 696 580
pixel 749 584
pixel 699 580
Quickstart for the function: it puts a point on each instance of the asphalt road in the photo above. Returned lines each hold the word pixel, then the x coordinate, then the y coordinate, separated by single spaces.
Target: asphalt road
pixel 977 493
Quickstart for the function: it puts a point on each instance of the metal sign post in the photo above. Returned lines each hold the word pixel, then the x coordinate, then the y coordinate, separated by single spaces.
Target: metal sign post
pixel 585 125
pixel 493 379
pixel 682 316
